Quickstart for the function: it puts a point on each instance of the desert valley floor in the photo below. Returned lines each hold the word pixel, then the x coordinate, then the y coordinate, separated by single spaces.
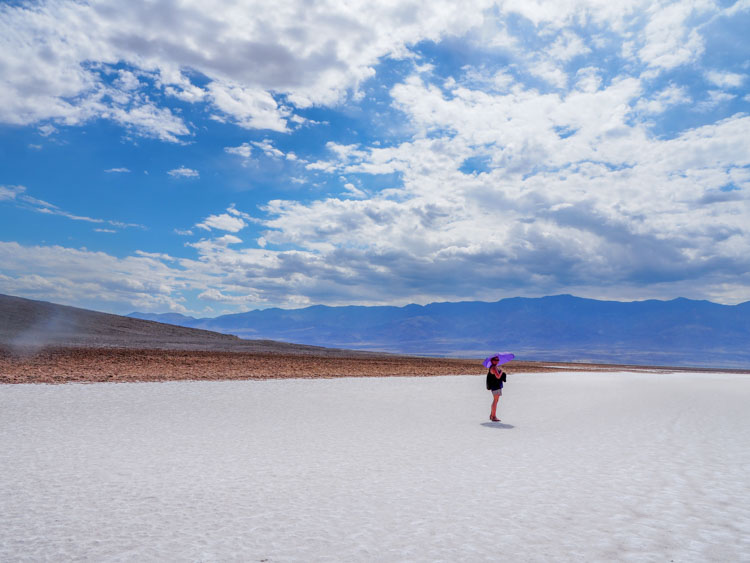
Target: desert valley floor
pixel 585 466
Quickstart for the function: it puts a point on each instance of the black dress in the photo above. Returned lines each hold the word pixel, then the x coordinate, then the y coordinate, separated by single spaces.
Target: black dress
pixel 493 383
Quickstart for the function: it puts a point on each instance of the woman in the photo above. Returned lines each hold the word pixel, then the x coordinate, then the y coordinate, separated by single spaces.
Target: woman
pixel 495 380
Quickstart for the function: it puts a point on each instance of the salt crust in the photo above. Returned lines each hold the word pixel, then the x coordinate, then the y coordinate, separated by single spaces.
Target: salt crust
pixel 584 467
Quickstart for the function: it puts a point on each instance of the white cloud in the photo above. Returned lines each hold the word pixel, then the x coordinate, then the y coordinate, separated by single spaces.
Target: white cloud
pixel 353 191
pixel 187 93
pixel 669 40
pixel 265 147
pixel 715 98
pixel 222 222
pixel 725 79
pixel 117 170
pixel 183 172
pixel 83 277
pixel 498 81
pixel 232 209
pixel 737 7
pixel 155 255
pixel 11 192
pixel 567 46
pixel 550 72
pixel 575 184
pixel 19 197
pixel 52 56
pixel 588 79
pixel 232 221
pixel 245 150
pixel 127 80
pixel 664 99
pixel 226 240
pixel 46 130
pixel 148 120
pixel 217 296
pixel 251 108
pixel 250 63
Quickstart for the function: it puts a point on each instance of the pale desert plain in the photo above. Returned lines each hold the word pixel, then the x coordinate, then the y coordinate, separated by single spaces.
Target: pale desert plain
pixel 612 465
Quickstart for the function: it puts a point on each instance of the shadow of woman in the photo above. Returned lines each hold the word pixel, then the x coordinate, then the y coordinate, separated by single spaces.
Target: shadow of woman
pixel 500 425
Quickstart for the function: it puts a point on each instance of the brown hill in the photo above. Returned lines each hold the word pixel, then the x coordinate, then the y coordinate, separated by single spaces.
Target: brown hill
pixel 43 342
pixel 28 326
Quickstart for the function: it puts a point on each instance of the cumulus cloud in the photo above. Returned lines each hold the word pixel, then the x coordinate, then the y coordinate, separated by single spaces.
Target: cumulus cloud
pixel 148 120
pixel 232 221
pixel 353 191
pixel 251 108
pixel 550 72
pixel 264 147
pixel 245 150
pixel 222 222
pixel 669 40
pixel 725 79
pixel 567 46
pixel 577 194
pixel 80 276
pixel 56 54
pixel 127 80
pixel 664 99
pixel 59 56
pixel 183 172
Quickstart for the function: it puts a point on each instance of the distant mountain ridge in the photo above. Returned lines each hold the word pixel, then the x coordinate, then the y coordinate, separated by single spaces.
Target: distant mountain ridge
pixel 680 332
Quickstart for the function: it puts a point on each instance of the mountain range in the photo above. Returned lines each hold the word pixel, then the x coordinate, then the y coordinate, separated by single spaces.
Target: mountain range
pixel 680 332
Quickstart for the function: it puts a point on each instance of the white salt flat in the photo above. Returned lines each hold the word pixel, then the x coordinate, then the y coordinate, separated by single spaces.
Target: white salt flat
pixel 584 467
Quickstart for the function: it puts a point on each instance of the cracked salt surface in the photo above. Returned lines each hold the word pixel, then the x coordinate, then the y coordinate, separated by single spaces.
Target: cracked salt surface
pixel 584 466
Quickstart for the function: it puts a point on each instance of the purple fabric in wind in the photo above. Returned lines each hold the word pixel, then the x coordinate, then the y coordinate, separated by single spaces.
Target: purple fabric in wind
pixel 503 358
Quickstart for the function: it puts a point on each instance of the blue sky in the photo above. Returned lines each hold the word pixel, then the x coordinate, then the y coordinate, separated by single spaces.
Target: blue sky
pixel 212 157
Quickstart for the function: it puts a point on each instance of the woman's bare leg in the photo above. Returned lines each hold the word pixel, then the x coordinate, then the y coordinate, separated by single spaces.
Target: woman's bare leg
pixel 493 412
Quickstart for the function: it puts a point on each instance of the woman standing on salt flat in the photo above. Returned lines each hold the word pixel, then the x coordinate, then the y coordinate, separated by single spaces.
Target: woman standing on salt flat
pixel 495 379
